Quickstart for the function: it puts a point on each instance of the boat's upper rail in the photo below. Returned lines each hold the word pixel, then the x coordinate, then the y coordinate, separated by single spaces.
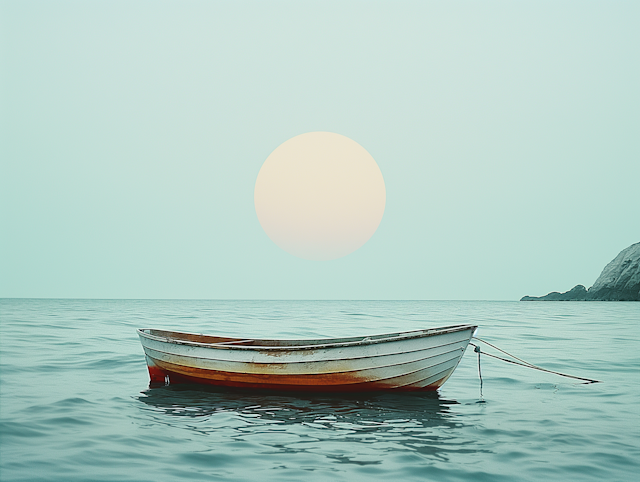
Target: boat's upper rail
pixel 197 339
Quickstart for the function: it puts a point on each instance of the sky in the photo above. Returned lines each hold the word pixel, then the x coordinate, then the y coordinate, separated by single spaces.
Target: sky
pixel 132 134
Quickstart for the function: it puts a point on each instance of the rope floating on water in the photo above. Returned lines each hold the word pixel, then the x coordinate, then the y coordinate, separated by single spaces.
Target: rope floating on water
pixel 520 362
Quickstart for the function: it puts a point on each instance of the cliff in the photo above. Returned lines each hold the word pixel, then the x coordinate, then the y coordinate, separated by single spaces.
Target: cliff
pixel 619 281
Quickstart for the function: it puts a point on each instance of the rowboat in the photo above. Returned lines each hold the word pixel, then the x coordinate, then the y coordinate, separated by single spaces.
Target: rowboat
pixel 407 361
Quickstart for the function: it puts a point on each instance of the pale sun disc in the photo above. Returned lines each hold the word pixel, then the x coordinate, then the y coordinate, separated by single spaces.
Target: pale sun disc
pixel 320 196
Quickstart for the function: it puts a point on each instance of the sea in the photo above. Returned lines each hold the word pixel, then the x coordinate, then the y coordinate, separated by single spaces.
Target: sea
pixel 76 404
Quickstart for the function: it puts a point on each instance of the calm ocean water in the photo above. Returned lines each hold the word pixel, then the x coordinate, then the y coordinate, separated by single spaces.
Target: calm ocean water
pixel 75 404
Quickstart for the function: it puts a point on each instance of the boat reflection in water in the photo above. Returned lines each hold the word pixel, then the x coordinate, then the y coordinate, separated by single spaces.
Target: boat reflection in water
pixel 346 428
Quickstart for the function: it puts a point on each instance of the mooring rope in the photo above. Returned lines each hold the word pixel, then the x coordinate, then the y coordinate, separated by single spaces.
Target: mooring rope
pixel 477 350
pixel 521 363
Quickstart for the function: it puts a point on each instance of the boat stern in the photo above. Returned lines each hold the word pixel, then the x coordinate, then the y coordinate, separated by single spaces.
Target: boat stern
pixel 156 374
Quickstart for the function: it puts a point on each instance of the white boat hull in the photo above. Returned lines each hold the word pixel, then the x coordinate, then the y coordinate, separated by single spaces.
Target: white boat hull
pixel 419 360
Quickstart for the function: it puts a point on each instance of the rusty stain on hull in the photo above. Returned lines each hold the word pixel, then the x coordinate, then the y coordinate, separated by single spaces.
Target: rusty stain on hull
pixel 297 384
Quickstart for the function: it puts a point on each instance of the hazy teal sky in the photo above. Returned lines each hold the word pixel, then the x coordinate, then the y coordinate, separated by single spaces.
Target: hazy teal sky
pixel 132 134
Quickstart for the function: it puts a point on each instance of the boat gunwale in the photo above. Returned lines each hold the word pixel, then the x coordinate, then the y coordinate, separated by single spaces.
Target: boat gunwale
pixel 322 343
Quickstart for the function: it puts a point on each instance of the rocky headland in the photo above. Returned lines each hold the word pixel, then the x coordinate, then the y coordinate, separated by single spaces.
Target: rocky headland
pixel 619 281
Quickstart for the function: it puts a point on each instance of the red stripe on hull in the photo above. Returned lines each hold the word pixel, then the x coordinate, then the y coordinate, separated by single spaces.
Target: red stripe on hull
pixel 309 383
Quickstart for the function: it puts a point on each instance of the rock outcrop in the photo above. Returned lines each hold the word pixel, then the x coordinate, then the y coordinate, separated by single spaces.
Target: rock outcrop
pixel 619 281
pixel 578 293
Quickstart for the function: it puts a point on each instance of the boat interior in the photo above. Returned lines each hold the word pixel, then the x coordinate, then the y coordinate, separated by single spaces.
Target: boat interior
pixel 221 341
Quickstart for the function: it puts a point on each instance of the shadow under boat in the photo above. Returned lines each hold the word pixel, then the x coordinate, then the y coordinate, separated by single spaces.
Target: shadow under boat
pixel 422 423
pixel 380 411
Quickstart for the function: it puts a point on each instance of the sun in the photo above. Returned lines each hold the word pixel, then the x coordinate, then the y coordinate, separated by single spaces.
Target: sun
pixel 320 196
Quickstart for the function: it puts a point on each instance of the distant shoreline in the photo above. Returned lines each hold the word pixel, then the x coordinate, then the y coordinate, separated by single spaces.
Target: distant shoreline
pixel 619 281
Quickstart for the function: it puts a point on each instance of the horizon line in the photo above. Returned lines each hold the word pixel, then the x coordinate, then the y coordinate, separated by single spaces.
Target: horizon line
pixel 236 299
